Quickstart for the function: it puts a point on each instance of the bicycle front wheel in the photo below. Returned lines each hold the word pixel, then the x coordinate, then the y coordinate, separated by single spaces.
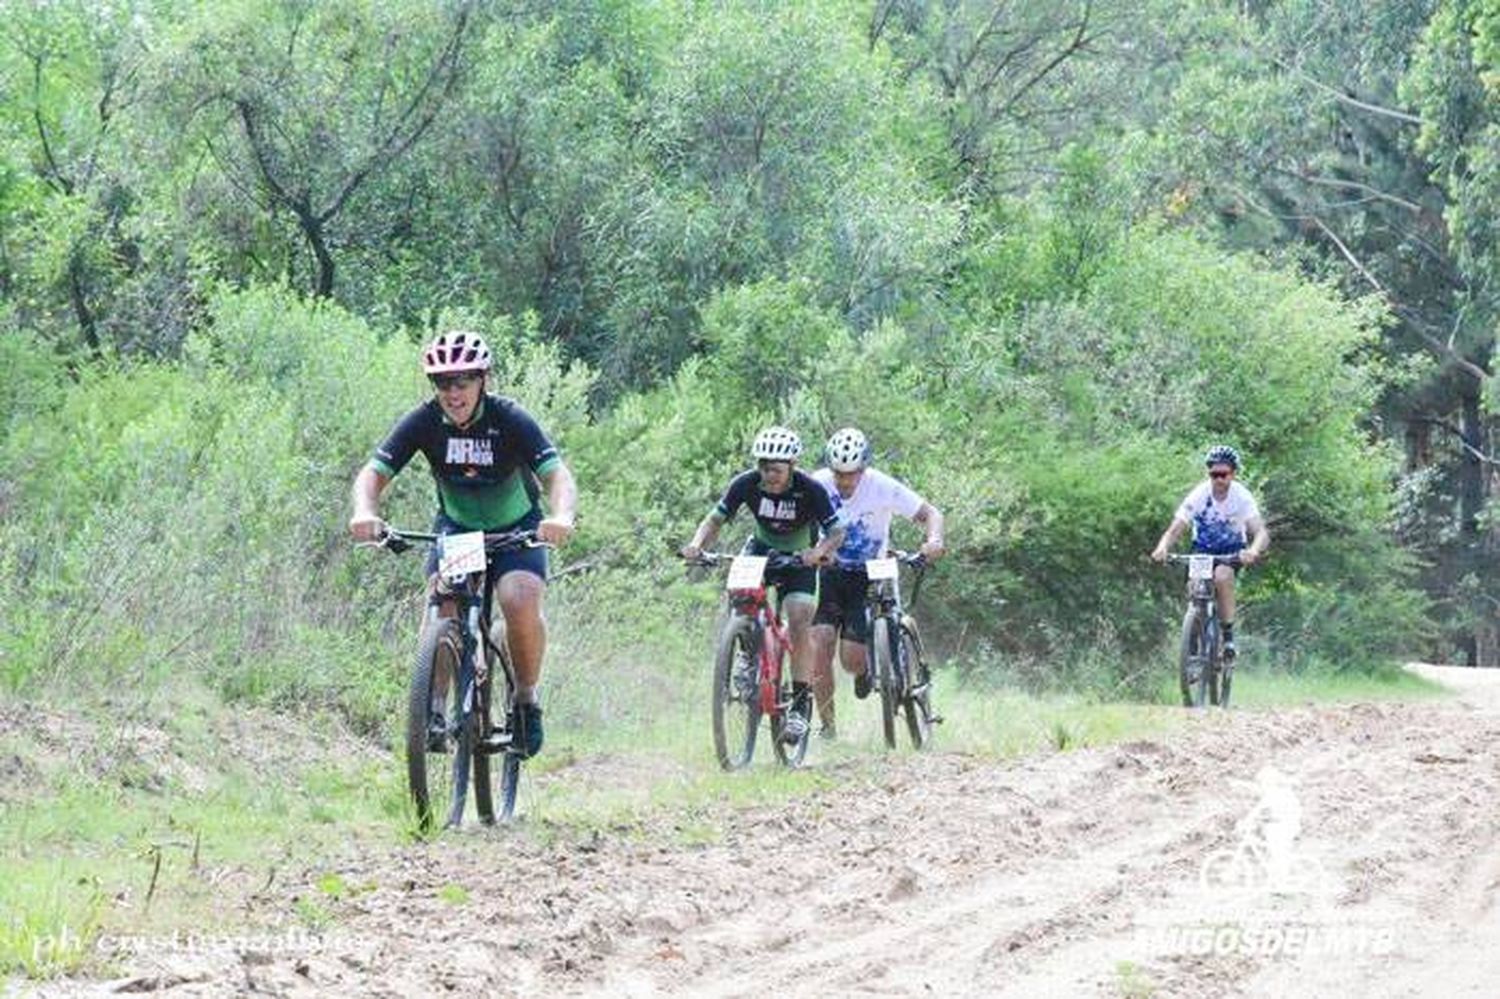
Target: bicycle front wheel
pixel 882 650
pixel 432 712
pixel 916 704
pixel 1193 660
pixel 735 695
pixel 790 754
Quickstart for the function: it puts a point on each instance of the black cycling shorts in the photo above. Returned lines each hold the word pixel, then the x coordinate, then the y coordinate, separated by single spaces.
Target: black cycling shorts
pixel 841 603
pixel 802 580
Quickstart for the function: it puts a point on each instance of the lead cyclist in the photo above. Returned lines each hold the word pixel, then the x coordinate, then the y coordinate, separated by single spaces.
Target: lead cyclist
pixel 487 455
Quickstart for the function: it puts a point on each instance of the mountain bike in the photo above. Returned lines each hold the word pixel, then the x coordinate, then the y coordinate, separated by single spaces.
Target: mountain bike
pixel 894 665
pixel 452 727
pixel 750 680
pixel 1204 675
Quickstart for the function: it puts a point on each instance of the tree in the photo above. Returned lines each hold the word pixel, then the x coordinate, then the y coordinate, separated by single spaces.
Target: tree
pixel 302 105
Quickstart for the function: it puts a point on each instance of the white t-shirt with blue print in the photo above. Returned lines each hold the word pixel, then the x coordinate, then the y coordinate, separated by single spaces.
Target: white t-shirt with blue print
pixel 1218 527
pixel 866 516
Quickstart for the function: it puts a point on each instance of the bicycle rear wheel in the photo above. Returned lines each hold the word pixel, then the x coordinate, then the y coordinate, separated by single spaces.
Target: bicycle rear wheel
pixel 502 700
pixel 432 736
pixel 916 702
pixel 735 696
pixel 1193 660
pixel 882 650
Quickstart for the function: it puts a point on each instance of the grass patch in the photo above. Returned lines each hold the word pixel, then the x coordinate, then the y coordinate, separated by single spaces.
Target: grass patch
pixel 153 843
pixel 1278 689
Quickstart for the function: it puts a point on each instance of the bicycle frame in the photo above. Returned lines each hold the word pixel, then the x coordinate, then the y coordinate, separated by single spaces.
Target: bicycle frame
pixel 771 638
pixel 1202 596
pixel 884 600
pixel 474 618
pixel 449 710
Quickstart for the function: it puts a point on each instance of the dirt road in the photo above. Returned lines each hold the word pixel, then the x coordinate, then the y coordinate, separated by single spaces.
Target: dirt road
pixel 1320 851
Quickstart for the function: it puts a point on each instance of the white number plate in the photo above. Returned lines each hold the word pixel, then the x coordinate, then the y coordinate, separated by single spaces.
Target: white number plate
pixel 746 572
pixel 881 568
pixel 1200 567
pixel 461 554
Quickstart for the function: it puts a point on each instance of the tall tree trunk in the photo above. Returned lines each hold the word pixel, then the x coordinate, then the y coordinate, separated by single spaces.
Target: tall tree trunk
pixel 1480 643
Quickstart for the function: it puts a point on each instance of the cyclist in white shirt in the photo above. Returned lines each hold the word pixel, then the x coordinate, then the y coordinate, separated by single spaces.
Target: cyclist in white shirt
pixel 866 500
pixel 1224 517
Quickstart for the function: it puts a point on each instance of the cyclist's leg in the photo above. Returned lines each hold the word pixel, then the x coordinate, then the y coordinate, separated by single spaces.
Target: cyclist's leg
pixel 824 637
pixel 856 614
pixel 520 589
pixel 1224 593
pixel 798 589
pixel 520 594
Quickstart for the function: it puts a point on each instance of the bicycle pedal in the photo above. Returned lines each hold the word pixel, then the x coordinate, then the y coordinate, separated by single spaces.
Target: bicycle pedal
pixel 936 719
pixel 498 741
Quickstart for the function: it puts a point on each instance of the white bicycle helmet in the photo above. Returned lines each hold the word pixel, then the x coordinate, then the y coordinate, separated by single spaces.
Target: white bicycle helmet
pixel 456 352
pixel 776 444
pixel 848 450
pixel 1222 454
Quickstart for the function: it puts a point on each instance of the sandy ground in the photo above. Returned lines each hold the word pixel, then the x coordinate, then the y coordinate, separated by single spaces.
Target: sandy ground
pixel 1319 851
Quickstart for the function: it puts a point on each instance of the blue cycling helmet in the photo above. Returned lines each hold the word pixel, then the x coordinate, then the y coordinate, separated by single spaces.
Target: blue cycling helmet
pixel 1222 454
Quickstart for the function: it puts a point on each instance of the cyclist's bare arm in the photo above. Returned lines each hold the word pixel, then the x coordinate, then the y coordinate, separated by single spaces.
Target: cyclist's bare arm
pixel 1169 538
pixel 931 518
pixel 823 550
pixel 705 536
pixel 365 523
pixel 562 505
pixel 1260 540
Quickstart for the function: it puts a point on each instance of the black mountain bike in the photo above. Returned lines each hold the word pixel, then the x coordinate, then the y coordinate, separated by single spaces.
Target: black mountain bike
pixel 460 703
pixel 894 665
pixel 1204 675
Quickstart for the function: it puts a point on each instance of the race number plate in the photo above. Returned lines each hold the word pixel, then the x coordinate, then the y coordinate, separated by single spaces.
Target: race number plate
pixel 746 572
pixel 1200 567
pixel 461 554
pixel 881 568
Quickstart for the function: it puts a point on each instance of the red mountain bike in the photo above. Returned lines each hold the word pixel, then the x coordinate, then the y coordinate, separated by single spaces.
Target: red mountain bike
pixel 749 679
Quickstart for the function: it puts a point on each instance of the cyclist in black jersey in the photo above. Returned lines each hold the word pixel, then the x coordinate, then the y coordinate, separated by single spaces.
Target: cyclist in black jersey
pixel 790 511
pixel 491 462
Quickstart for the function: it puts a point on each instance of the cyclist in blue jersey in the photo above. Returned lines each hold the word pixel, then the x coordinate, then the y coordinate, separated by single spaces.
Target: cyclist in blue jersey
pixel 1224 517
pixel 790 511
pixel 491 462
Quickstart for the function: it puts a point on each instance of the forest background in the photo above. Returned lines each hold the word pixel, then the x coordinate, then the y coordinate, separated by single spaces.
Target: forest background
pixel 1044 254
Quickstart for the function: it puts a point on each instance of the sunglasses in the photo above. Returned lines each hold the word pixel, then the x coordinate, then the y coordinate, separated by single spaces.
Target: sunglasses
pixel 766 464
pixel 1219 475
pixel 441 382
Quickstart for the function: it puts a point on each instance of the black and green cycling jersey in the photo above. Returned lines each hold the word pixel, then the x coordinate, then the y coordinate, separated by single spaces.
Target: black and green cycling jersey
pixel 486 472
pixel 787 521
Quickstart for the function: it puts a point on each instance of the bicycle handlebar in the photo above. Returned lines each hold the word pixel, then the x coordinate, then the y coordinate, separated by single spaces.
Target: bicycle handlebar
pixel 1218 559
pixel 398 540
pixel 774 560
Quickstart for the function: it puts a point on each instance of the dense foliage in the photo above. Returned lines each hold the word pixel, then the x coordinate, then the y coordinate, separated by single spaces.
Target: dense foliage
pixel 1043 256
